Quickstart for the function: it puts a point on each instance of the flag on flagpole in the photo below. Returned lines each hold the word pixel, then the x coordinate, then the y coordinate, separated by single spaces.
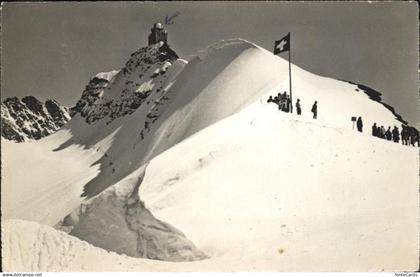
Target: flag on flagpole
pixel 282 45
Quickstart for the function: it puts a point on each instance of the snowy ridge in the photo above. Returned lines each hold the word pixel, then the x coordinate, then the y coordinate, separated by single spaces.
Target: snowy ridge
pixel 376 96
pixel 298 220
pixel 289 217
pixel 30 119
pixel 212 155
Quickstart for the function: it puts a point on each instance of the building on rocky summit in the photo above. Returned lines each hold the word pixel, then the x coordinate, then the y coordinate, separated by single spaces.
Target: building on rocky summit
pixel 158 34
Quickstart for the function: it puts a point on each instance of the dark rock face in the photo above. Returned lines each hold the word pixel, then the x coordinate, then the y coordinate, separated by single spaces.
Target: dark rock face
pixel 36 106
pixel 30 119
pixel 104 97
pixel 56 111
pixel 89 96
pixel 113 97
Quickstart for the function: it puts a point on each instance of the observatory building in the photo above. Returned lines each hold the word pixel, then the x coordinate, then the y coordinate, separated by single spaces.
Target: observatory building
pixel 158 34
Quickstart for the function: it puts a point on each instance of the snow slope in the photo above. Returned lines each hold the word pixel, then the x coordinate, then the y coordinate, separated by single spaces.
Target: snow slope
pixel 273 191
pixel 59 167
pixel 270 182
pixel 258 211
pixel 41 184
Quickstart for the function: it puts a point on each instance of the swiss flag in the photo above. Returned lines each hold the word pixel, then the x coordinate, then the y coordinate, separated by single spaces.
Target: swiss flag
pixel 282 45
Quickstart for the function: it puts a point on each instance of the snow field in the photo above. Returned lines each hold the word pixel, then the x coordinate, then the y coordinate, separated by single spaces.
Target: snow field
pixel 256 189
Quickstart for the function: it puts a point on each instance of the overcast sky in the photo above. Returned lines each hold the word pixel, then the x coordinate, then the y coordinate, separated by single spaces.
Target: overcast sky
pixel 51 50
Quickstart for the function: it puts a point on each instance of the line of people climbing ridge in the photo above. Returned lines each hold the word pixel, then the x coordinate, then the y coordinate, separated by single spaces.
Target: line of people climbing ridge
pixel 285 104
pixel 380 132
pixel 408 136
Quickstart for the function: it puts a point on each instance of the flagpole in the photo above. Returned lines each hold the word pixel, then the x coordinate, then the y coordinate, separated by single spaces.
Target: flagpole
pixel 290 74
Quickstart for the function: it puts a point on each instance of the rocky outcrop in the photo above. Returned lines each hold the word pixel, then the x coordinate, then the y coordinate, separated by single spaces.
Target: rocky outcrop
pixel 118 93
pixel 30 119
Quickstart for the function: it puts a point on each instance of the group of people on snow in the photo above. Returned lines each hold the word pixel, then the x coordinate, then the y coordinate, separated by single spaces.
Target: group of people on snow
pixel 282 100
pixel 409 135
pixel 389 134
pixel 285 104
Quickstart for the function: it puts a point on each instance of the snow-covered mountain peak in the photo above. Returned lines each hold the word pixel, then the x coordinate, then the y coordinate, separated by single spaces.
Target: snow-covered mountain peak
pixel 115 94
pixel 156 102
pixel 200 145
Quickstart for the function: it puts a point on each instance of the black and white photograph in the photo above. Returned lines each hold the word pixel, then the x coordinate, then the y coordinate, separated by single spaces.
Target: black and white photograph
pixel 244 136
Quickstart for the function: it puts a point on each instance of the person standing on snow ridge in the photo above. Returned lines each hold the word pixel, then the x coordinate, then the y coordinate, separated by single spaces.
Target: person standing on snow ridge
pixel 288 104
pixel 414 136
pixel 388 134
pixel 284 101
pixel 382 132
pixel 359 124
pixel 298 109
pixel 314 109
pixel 404 135
pixel 375 130
pixel 396 134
